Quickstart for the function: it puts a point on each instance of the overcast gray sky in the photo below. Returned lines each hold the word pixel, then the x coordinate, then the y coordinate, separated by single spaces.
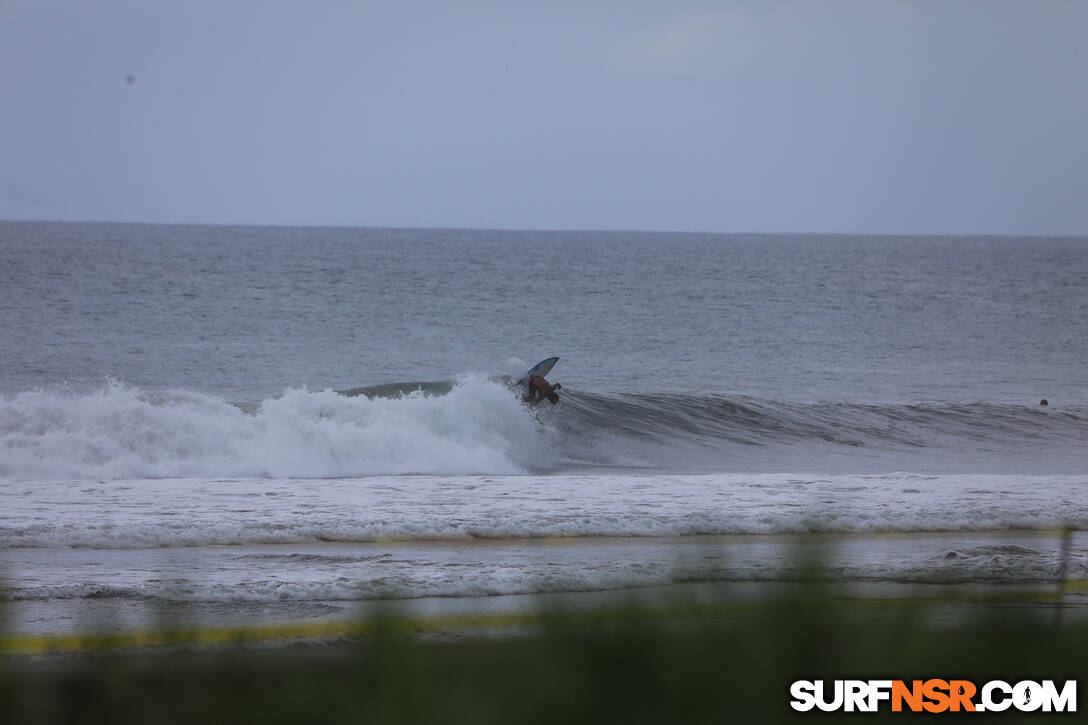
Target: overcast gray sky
pixel 942 116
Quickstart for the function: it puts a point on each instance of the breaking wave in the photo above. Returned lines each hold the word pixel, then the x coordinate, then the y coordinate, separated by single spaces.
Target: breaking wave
pixel 477 425
pixel 123 432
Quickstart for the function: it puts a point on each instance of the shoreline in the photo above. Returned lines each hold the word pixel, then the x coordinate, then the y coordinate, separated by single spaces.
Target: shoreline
pixel 522 615
pixel 778 564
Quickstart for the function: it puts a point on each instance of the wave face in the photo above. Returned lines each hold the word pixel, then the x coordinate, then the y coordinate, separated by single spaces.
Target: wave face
pixel 705 432
pixel 477 426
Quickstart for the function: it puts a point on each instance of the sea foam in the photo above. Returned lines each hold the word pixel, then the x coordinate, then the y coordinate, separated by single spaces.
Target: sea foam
pixel 120 431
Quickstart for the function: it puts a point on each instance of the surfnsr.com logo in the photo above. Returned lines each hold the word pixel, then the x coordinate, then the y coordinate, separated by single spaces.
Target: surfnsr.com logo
pixel 933 695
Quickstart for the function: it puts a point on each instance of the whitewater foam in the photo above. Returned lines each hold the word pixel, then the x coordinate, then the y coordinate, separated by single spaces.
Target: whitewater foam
pixel 151 513
pixel 120 432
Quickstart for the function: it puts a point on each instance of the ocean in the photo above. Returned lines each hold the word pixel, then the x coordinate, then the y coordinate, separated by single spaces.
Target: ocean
pixel 228 425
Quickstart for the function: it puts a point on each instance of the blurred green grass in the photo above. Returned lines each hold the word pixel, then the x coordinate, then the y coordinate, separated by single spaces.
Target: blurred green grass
pixel 681 664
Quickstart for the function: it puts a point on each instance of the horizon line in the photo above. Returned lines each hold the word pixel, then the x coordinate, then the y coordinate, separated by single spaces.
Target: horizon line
pixel 543 230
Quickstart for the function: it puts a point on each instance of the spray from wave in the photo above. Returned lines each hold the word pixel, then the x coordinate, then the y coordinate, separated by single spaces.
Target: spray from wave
pixel 123 432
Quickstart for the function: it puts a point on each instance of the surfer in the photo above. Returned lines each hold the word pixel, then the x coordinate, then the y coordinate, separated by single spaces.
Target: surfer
pixel 538 389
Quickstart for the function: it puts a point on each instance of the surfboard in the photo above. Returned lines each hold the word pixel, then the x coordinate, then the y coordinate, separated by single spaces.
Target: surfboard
pixel 542 368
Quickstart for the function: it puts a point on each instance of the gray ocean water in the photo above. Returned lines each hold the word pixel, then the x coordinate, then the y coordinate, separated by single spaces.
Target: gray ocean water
pixel 245 312
pixel 241 419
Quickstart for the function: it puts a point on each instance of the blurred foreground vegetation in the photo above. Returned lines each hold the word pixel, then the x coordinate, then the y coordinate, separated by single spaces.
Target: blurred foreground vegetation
pixel 683 664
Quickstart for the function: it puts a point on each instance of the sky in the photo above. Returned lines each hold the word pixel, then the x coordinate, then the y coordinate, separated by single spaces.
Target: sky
pixel 850 116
